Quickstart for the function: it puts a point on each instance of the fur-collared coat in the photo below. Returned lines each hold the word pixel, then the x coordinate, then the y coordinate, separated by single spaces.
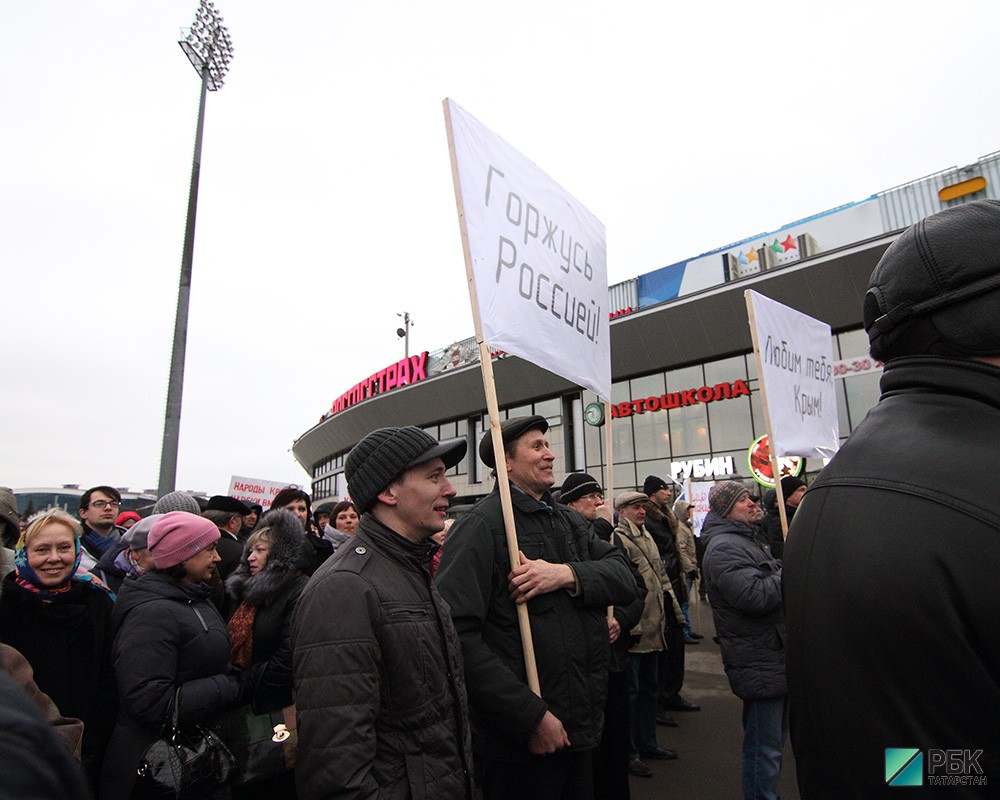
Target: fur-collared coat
pixel 273 592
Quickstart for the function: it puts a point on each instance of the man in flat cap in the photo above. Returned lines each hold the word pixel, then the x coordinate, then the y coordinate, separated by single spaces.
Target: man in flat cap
pixel 891 563
pixel 379 689
pixel 530 746
pixel 744 590
pixel 644 655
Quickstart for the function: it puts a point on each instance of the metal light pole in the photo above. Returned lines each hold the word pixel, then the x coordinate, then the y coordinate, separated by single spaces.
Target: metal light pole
pixel 404 332
pixel 209 49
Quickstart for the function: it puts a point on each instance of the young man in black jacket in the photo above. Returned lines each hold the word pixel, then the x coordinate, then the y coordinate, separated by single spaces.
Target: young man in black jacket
pixel 379 689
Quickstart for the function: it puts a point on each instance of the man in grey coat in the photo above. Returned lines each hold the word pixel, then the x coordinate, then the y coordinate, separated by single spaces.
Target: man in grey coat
pixel 744 589
pixel 379 685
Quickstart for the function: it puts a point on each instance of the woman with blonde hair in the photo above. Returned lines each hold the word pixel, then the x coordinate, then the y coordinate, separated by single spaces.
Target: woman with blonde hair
pixel 59 618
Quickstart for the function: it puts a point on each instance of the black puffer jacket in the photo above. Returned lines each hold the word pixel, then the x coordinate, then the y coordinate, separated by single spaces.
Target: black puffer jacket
pixel 273 592
pixel 570 633
pixel 68 644
pixel 167 634
pixel 379 689
pixel 891 570
pixel 744 589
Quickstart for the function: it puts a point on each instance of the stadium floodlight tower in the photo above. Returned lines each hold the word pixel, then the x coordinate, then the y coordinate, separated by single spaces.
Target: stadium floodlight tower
pixel 209 49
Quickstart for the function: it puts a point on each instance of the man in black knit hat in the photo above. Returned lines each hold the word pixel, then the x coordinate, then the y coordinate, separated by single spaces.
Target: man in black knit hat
pixel 379 686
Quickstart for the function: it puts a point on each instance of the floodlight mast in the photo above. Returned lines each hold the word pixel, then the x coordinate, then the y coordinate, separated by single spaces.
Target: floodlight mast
pixel 209 49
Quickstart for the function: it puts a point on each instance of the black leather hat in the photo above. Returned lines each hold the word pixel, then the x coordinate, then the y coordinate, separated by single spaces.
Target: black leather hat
pixel 510 431
pixel 942 278
pixel 222 502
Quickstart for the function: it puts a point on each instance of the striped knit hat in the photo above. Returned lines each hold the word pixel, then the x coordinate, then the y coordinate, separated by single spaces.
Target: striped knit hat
pixel 383 455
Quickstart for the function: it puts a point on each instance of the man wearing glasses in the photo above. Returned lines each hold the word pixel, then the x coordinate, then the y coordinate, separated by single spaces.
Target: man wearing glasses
pixel 99 507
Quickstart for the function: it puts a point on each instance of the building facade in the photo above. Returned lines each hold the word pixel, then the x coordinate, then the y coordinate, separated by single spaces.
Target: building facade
pixel 685 396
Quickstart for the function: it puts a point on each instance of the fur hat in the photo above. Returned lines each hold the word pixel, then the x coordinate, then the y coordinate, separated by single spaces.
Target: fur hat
pixel 178 535
pixel 288 551
pixel 176 501
pixel 385 454
pixel 510 431
pixel 723 496
pixel 576 486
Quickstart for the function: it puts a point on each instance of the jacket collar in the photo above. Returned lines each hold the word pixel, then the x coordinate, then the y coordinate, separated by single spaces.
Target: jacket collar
pixel 950 376
pixel 630 529
pixel 525 502
pixel 394 545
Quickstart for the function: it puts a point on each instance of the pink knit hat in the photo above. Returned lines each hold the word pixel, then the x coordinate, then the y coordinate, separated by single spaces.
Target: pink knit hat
pixel 178 535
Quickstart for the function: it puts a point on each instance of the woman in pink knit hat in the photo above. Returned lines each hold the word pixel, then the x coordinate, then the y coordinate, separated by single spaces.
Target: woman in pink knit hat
pixel 168 635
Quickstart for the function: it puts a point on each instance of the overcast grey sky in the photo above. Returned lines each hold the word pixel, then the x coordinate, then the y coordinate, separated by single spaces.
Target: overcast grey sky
pixel 326 203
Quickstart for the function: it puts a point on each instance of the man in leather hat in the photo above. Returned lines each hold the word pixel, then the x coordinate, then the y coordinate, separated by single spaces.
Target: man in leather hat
pixel 891 563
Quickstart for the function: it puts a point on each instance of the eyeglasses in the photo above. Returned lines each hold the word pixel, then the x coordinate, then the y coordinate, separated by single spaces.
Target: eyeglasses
pixel 597 497
pixel 99 504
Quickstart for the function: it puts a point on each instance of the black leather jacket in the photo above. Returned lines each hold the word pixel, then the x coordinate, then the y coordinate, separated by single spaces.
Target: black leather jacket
pixel 891 569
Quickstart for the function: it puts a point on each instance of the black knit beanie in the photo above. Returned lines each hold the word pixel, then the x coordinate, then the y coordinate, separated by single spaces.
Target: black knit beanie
pixel 383 455
pixel 576 486
pixel 652 485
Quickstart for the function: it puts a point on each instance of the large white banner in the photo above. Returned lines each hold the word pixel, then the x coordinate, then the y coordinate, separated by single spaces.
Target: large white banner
pixel 254 490
pixel 796 368
pixel 539 259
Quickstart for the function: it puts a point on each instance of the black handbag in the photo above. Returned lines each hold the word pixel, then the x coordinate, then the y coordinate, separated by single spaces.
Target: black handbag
pixel 188 764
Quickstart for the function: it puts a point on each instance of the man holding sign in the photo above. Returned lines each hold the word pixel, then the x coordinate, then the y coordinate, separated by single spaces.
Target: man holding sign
pixel 530 746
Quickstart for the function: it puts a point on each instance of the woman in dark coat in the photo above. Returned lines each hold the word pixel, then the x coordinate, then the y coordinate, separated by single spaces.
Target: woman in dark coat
pixel 261 596
pixel 168 635
pixel 59 619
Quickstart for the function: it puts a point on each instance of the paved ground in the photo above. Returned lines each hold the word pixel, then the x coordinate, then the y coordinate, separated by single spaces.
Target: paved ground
pixel 709 740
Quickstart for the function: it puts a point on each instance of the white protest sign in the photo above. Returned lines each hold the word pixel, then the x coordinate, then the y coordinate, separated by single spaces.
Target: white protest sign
pixel 538 259
pixel 795 358
pixel 254 490
pixel 697 493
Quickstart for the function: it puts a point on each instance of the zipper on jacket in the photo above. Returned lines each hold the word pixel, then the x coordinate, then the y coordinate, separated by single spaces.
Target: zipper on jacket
pixel 201 619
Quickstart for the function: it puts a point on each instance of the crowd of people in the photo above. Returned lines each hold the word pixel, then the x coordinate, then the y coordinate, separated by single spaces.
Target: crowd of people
pixel 397 648
pixel 386 653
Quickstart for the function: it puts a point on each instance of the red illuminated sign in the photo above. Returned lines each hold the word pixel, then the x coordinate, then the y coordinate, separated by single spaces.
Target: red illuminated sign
pixel 403 372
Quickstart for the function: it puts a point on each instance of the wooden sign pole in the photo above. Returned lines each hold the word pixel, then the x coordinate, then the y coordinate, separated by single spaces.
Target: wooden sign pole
pixel 493 409
pixel 775 466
